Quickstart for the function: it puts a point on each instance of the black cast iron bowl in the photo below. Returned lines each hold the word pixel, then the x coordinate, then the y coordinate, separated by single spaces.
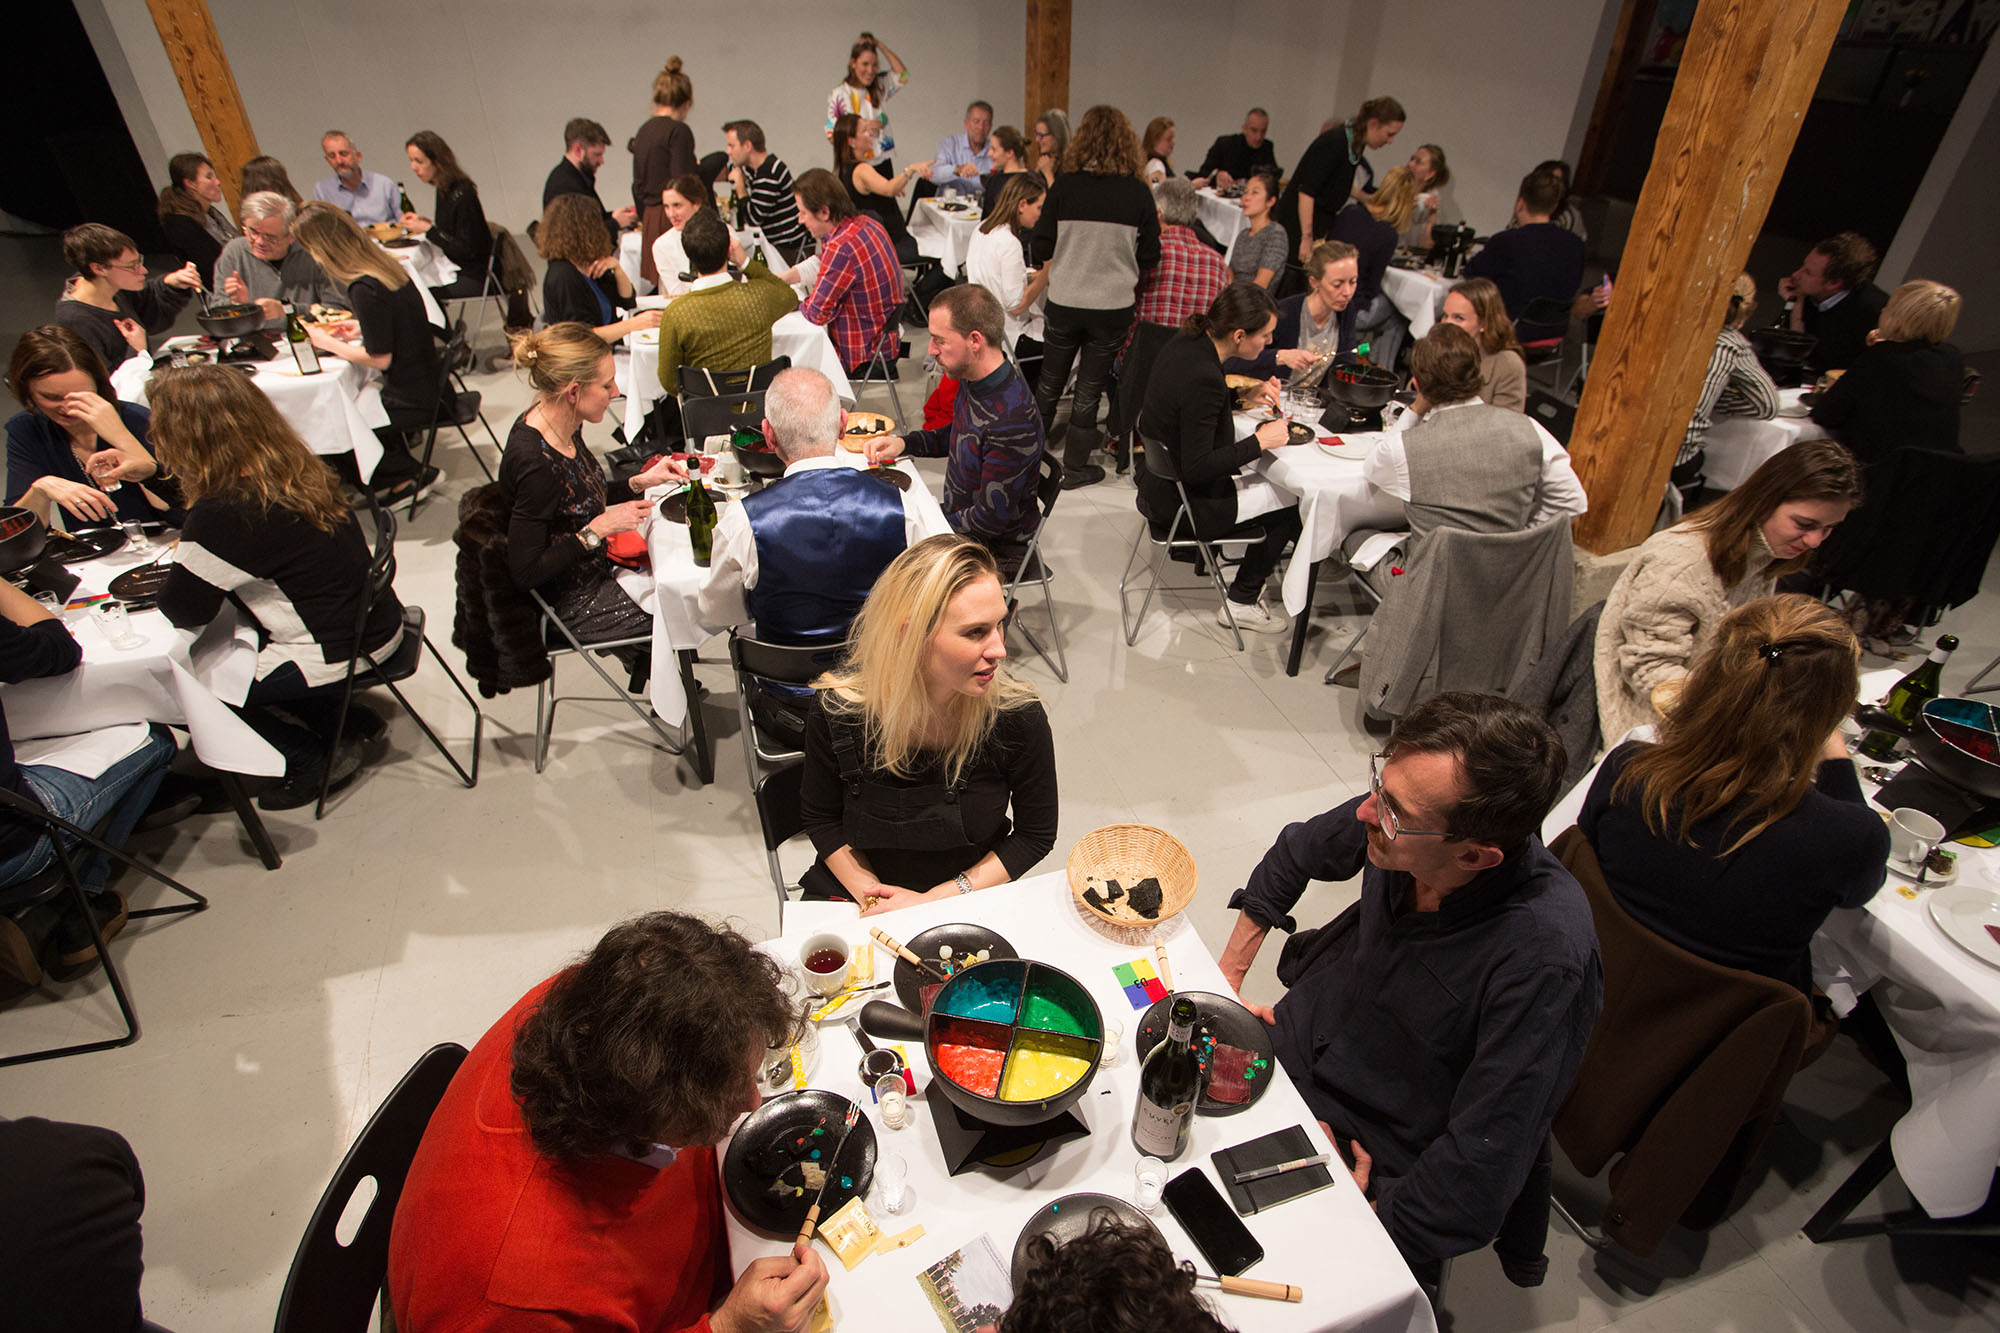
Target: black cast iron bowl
pixel 760 459
pixel 895 1023
pixel 1959 740
pixel 1782 349
pixel 1362 387
pixel 22 537
pixel 230 321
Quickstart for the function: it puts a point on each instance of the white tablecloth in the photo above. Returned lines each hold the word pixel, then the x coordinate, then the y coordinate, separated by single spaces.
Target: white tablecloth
pixel 1328 1243
pixel 164 680
pixel 672 588
pixel 1222 217
pixel 429 267
pixel 334 412
pixel 943 236
pixel 1418 296
pixel 1333 501
pixel 795 336
pixel 628 259
pixel 1737 446
pixel 1942 1004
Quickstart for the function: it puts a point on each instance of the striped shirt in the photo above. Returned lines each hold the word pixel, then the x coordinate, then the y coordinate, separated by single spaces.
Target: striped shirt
pixel 860 285
pixel 773 209
pixel 1735 386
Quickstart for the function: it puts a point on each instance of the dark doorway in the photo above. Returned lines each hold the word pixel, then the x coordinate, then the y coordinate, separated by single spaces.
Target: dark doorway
pixel 70 159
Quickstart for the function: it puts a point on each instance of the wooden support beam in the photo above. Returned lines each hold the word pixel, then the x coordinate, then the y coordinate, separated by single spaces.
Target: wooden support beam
pixel 1745 80
pixel 188 32
pixel 1048 60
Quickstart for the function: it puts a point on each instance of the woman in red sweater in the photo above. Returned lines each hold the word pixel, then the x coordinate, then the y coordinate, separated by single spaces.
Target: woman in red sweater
pixel 567 1178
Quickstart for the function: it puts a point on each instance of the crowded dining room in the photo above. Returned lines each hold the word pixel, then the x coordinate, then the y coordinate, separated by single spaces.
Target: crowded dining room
pixel 666 668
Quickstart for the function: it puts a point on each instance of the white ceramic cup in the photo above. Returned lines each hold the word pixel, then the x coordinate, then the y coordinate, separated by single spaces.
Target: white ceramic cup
pixel 1912 834
pixel 826 983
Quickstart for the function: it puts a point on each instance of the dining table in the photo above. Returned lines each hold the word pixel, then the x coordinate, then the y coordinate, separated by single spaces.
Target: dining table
pixel 1737 446
pixel 794 336
pixel 1940 1000
pixel 335 411
pixel 945 233
pixel 1418 295
pixel 1223 218
pixel 1327 1242
pixel 428 267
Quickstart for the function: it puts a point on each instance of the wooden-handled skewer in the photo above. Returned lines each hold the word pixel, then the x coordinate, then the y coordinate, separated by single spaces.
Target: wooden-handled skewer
pixel 832 1170
pixel 1160 965
pixel 1250 1286
pixel 902 951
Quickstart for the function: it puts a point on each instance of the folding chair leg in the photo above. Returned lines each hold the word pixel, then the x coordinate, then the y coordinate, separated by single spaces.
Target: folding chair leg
pixel 1060 663
pixel 1221 589
pixel 545 719
pixel 253 823
pixel 1131 622
pixel 1354 641
pixel 1974 687
pixel 131 1020
pixel 778 882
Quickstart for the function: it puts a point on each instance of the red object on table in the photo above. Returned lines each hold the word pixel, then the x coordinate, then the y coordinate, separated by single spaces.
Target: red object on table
pixel 938 408
pixel 704 462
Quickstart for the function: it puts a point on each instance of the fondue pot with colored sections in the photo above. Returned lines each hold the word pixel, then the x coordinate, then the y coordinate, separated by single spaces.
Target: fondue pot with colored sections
pixel 1011 1042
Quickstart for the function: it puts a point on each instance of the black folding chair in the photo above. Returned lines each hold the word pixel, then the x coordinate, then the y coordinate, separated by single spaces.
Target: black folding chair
pixel 775 765
pixel 701 382
pixel 879 369
pixel 561 640
pixel 400 664
pixel 721 414
pixel 332 1285
pixel 59 880
pixel 1034 569
pixel 1165 541
pixel 456 406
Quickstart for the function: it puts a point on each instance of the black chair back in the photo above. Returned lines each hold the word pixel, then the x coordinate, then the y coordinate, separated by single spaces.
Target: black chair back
pixel 699 382
pixel 779 814
pixel 719 415
pixel 1160 461
pixel 1907 540
pixel 1557 415
pixel 786 663
pixel 332 1287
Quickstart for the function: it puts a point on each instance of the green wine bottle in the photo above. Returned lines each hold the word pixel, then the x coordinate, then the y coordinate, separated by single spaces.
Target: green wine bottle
pixel 1906 700
pixel 303 351
pixel 701 521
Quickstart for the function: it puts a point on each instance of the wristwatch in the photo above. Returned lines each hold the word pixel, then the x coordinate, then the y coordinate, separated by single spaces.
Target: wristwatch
pixel 964 884
pixel 591 539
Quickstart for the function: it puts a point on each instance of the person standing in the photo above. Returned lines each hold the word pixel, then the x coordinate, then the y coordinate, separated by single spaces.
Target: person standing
pixel 365 196
pixel 764 183
pixel 1100 230
pixel 584 142
pixel 865 89
pixel 662 151
pixel 1323 181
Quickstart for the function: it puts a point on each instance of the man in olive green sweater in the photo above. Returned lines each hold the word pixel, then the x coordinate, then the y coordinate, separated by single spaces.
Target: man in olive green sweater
pixel 720 324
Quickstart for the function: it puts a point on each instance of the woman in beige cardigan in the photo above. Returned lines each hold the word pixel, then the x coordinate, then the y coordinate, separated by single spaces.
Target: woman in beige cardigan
pixel 1667 605
pixel 1475 306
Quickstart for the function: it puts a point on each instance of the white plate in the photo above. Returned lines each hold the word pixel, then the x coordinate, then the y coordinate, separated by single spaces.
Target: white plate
pixel 1909 872
pixel 650 337
pixel 1963 911
pixel 1347 449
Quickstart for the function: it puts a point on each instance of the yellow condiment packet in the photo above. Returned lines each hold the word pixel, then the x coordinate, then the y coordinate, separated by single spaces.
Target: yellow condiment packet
pixel 822 1316
pixel 851 1231
pixel 861 966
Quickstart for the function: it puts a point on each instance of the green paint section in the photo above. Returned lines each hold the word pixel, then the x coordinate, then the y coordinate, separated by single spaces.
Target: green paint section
pixel 1052 1013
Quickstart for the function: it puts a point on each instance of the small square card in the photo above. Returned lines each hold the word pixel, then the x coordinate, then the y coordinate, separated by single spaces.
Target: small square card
pixel 1141 984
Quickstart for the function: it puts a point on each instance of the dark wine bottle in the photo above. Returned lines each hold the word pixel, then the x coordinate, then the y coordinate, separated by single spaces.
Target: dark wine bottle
pixel 701 521
pixel 1169 1085
pixel 1906 699
pixel 303 351
pixel 404 195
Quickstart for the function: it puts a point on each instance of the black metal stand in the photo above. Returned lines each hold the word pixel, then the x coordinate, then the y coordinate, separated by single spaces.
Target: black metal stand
pixel 969 1142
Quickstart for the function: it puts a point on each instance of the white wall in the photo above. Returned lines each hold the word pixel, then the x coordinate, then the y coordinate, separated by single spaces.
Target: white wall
pixel 497 78
pixel 1947 235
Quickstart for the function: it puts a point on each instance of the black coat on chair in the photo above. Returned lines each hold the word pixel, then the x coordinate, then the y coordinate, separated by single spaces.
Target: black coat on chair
pixel 496 626
pixel 1925 531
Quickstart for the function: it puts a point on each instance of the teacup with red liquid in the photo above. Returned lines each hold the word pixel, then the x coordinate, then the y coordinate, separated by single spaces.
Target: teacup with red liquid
pixel 824 959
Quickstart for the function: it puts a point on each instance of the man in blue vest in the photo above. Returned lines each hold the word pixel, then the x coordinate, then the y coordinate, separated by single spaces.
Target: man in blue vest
pixel 799 557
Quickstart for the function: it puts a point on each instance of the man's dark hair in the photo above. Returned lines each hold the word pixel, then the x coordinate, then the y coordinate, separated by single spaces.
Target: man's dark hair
pixel 649 1038
pixel 583 130
pixel 1114 1278
pixel 1445 365
pixel 819 189
pixel 985 106
pixel 1510 761
pixel 973 309
pixel 1850 259
pixel 1542 192
pixel 705 241
pixel 746 131
pixel 90 243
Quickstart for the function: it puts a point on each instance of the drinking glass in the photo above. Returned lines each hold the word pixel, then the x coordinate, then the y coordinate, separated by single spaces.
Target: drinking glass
pixel 892 1182
pixel 135 535
pixel 1113 1050
pixel 892 1099
pixel 1149 1177
pixel 115 624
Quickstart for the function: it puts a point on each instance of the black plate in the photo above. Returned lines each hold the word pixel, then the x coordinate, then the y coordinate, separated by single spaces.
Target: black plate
pixel 962 936
pixel 674 505
pixel 76 547
pixel 1069 1217
pixel 1228 1022
pixel 894 476
pixel 402 243
pixel 1301 433
pixel 759 1154
pixel 140 588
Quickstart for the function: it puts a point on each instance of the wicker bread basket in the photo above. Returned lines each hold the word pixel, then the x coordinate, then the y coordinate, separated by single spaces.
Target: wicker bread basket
pixel 1129 853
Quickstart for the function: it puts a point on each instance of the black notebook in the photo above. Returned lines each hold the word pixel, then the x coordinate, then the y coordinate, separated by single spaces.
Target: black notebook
pixel 1285 1145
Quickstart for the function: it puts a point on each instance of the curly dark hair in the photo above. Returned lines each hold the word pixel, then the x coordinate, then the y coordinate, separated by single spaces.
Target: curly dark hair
pixel 1114 1278
pixel 648 1038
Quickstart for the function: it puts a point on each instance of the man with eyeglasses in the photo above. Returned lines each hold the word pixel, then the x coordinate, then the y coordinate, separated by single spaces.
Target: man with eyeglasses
pixel 1434 1026
pixel 264 265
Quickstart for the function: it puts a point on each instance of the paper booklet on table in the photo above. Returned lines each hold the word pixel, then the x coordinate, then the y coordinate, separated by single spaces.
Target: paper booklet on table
pixel 1284 1145
pixel 969 1287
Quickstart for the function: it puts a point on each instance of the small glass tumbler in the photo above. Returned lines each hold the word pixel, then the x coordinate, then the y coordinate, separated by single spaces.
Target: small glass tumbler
pixel 892 1183
pixel 892 1099
pixel 115 624
pixel 1149 1177
pixel 135 535
pixel 1113 1050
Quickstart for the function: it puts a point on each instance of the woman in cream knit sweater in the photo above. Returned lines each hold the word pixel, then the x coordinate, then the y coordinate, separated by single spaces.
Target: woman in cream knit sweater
pixel 1666 606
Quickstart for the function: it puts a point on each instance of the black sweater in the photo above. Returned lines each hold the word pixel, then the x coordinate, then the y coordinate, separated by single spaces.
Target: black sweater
pixel 1896 395
pixel 1099 231
pixel 1843 329
pixel 1327 174
pixel 1376 242
pixel 155 307
pixel 460 229
pixel 546 509
pixel 1188 411
pixel 1232 153
pixel 1017 764
pixel 568 295
pixel 1755 908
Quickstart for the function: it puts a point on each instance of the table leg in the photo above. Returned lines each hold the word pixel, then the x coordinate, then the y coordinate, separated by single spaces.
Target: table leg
pixel 1874 1169
pixel 1299 625
pixel 253 823
pixel 699 750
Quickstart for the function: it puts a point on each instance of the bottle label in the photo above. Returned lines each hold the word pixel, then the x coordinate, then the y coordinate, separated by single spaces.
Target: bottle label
pixel 1157 1129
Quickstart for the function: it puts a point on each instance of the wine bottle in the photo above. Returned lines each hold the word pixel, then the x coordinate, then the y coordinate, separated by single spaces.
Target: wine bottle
pixel 404 195
pixel 701 520
pixel 303 351
pixel 1169 1085
pixel 1906 699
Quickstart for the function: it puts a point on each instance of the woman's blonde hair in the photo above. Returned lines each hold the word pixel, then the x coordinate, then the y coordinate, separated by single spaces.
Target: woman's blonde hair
pixel 1104 144
pixel 340 247
pixel 671 87
pixel 1395 200
pixel 573 229
pixel 1496 330
pixel 219 434
pixel 559 355
pixel 1920 311
pixel 881 680
pixel 1749 723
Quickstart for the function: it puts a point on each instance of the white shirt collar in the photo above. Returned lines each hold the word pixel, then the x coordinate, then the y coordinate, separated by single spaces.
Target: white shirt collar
pixel 1831 301
pixel 1449 406
pixel 813 464
pixel 721 279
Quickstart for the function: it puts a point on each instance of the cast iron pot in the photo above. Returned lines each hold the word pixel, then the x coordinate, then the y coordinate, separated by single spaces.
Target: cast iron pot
pixel 1782 350
pixel 894 1023
pixel 230 321
pixel 1971 722
pixel 759 460
pixel 22 537
pixel 1363 388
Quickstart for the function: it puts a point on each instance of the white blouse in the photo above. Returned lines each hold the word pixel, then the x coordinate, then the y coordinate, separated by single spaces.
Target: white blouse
pixel 672 261
pixel 994 261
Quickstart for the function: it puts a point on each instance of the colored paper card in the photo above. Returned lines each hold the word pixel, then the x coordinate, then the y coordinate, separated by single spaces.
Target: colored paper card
pixel 1140 982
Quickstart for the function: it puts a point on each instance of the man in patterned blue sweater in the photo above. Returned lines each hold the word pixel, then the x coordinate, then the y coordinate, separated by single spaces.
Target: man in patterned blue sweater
pixel 995 438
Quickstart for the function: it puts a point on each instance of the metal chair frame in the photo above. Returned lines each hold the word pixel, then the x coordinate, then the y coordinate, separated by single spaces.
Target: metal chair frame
pixel 1162 465
pixel 1034 568
pixel 694 746
pixel 753 659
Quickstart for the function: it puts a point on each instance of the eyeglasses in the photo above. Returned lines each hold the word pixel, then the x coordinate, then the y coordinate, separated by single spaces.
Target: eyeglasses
pixel 1392 827
pixel 136 266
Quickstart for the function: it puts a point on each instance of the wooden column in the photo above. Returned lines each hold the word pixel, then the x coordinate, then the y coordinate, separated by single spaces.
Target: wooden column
pixel 1745 81
pixel 1048 60
pixel 188 33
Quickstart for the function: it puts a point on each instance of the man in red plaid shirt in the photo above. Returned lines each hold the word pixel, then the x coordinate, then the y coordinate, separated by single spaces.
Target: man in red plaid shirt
pixel 860 284
pixel 1189 275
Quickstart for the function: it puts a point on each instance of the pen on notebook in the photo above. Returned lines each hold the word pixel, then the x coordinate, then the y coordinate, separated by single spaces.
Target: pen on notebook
pixel 1296 1164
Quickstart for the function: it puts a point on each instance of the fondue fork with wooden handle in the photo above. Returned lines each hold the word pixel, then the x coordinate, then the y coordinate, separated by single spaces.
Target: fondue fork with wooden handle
pixel 902 951
pixel 832 1170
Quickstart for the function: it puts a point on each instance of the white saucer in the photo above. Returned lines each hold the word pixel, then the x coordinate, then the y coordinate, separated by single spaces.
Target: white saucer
pixel 1909 872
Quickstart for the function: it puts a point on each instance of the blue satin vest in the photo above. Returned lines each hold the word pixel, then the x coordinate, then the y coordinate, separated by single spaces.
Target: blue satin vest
pixel 823 537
